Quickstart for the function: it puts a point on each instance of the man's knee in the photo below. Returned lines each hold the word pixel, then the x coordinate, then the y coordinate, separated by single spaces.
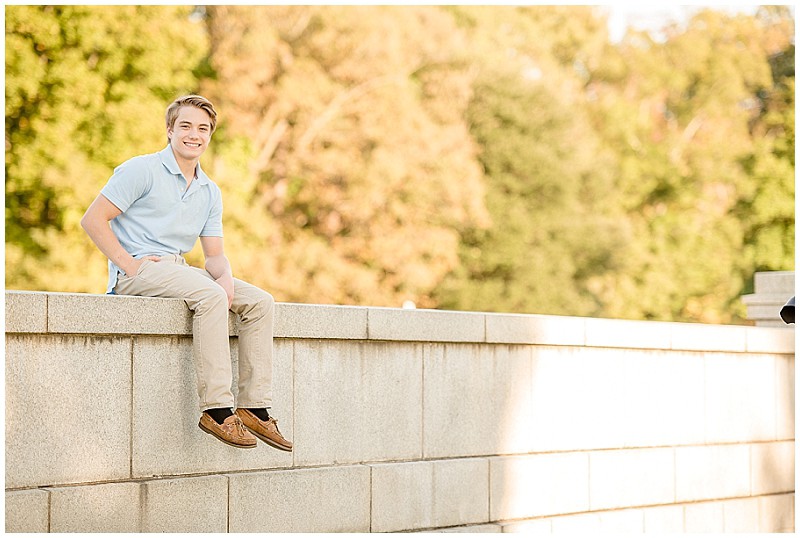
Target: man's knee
pixel 265 302
pixel 212 295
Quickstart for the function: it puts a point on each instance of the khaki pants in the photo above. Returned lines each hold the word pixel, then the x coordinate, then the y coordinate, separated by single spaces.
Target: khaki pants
pixel 173 277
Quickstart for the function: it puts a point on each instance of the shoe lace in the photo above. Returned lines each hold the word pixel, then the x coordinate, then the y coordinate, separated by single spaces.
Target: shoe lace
pixel 239 425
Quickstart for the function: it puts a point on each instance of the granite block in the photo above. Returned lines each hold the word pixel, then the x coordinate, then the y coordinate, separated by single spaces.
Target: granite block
pixel 477 400
pixel 627 334
pixel 27 511
pixel 317 321
pixel 535 329
pixel 197 504
pixel 740 398
pixel 705 517
pixel 712 472
pixel 84 383
pixel 332 499
pixel 538 485
pixel 770 340
pixel 97 508
pixel 784 397
pixel 781 282
pixel 357 401
pixel 77 313
pixel 700 337
pixel 772 467
pixel 425 325
pixel 26 312
pixel 623 478
pixel 776 513
pixel 740 515
pixel 663 519
pixel 440 493
pixel 402 496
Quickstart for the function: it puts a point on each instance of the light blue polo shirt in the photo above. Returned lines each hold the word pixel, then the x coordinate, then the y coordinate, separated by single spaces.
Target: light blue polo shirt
pixel 159 216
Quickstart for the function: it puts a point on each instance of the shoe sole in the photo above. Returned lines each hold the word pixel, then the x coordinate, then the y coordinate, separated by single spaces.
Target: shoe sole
pixel 214 435
pixel 269 441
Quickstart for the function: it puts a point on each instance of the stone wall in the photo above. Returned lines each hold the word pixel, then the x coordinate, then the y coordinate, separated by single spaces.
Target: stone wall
pixel 772 290
pixel 402 420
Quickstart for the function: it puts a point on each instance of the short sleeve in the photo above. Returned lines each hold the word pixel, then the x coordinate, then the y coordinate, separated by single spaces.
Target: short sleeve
pixel 213 226
pixel 129 182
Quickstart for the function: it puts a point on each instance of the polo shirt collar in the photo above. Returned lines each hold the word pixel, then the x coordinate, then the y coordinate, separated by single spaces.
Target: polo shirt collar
pixel 171 164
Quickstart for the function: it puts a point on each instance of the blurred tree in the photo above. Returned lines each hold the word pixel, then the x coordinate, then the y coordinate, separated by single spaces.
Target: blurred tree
pixel 353 162
pixel 679 120
pixel 86 88
pixel 555 226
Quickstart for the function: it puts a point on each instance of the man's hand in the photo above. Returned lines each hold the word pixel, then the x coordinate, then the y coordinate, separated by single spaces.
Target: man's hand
pixel 218 265
pixel 226 281
pixel 133 267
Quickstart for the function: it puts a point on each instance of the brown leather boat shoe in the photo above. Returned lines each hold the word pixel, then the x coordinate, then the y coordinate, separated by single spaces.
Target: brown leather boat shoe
pixel 267 431
pixel 231 431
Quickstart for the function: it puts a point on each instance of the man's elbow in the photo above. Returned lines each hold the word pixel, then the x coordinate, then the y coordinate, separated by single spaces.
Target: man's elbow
pixel 85 222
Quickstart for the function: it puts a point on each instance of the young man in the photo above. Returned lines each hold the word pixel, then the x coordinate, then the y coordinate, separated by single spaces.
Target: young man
pixel 157 206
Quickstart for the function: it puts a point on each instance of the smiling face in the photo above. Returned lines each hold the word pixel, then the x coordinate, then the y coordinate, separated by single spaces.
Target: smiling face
pixel 190 134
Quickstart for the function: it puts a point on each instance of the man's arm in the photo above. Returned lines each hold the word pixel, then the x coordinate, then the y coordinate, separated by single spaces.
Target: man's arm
pixel 217 264
pixel 95 223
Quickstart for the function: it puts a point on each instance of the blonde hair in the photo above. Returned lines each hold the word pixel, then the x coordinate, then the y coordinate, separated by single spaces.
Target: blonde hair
pixel 191 100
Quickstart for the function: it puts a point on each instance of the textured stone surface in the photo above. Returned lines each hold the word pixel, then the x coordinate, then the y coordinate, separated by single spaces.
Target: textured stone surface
pixel 784 397
pixel 770 340
pixel 26 312
pixel 712 472
pixel 357 402
pixel 419 495
pixel 460 491
pixel 402 496
pixel 629 334
pixel 26 511
pixel 772 467
pixel 700 337
pixel 535 329
pixel 740 515
pixel 776 513
pixel 704 517
pixel 425 325
pixel 198 504
pixel 334 499
pixel 84 385
pixel 315 321
pixel 96 508
pixel 740 398
pixel 538 485
pixel 663 519
pixel 621 478
pixel 117 314
pixel 165 406
pixel 477 400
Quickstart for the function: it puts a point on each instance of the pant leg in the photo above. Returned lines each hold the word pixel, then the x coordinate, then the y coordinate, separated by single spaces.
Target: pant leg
pixel 256 310
pixel 171 277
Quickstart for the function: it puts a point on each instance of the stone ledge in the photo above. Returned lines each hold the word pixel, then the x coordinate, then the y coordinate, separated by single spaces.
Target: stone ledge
pixel 78 313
